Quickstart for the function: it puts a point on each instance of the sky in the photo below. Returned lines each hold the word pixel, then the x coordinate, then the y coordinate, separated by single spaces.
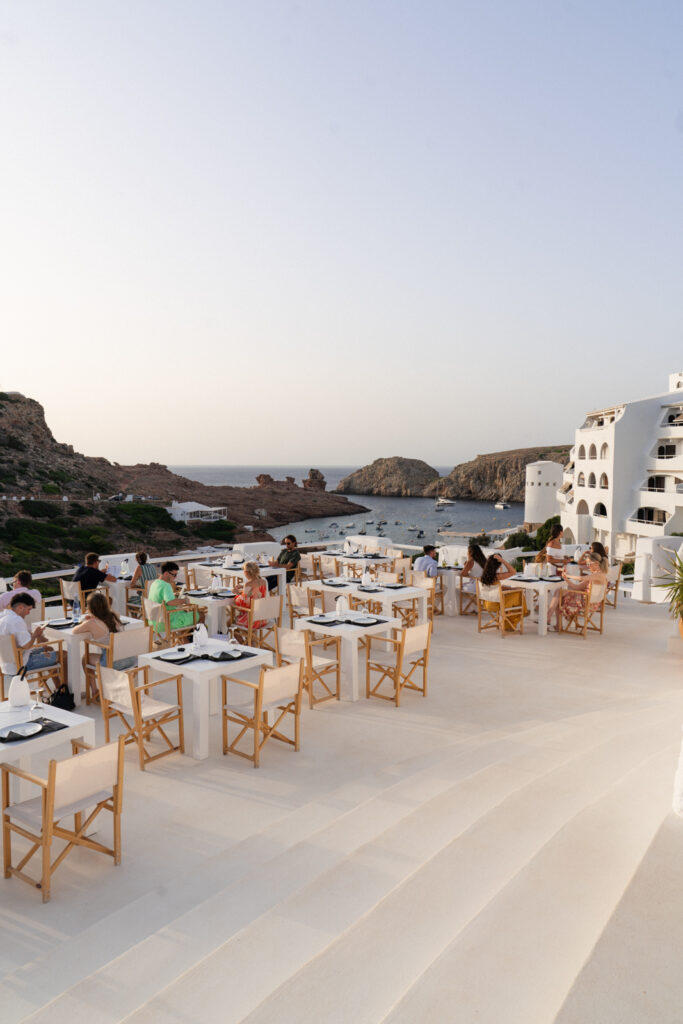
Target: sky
pixel 328 231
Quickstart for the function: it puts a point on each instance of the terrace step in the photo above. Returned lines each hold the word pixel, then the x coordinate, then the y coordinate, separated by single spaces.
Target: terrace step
pixel 363 876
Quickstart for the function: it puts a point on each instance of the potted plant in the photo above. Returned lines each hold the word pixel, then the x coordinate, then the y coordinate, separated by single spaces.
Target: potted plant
pixel 672 584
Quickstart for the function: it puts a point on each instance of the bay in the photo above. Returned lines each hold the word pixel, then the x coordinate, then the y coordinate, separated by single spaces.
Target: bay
pixel 404 516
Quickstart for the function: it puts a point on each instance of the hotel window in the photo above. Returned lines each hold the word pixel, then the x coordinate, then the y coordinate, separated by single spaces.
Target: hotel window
pixel 592 452
pixel 599 510
pixel 604 482
pixel 604 452
pixel 591 480
pixel 666 451
pixel 582 452
pixel 582 509
pixel 581 482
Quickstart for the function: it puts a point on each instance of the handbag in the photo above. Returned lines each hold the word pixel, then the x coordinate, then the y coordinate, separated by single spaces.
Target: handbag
pixel 62 698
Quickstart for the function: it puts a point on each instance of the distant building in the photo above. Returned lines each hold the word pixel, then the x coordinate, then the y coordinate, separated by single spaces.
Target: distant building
pixel 191 511
pixel 543 480
pixel 624 479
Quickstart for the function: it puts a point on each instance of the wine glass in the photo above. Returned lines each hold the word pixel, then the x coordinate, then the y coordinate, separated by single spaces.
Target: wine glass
pixel 36 711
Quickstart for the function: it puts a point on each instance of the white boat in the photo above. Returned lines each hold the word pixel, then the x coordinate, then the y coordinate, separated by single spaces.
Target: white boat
pixel 442 502
pixel 502 503
pixel 413 529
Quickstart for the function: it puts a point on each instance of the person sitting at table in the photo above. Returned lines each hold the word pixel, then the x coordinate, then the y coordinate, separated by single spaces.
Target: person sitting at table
pixel 495 571
pixel 253 587
pixel 97 623
pixel 553 548
pixel 21 584
pixel 475 561
pixel 291 556
pixel 567 602
pixel 427 562
pixel 162 591
pixel 89 575
pixel 596 548
pixel 144 572
pixel 36 657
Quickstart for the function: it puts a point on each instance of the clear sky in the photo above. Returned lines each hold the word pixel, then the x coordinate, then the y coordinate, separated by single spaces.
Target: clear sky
pixel 326 231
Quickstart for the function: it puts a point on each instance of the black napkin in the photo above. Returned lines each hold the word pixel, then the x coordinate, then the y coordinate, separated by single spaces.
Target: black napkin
pixel 222 656
pixel 394 586
pixel 61 625
pixel 336 584
pixel 370 590
pixel 47 725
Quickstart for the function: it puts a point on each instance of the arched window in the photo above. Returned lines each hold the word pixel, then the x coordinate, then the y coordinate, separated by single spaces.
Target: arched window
pixel 604 451
pixel 591 480
pixel 599 510
pixel 581 481
pixel 604 482
pixel 582 509
pixel 592 452
pixel 582 452
pixel 568 536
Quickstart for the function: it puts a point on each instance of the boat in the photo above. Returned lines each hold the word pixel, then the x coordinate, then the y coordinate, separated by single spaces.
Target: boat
pixel 362 531
pixel 398 522
pixel 442 502
pixel 381 522
pixel 412 529
pixel 502 503
pixel 420 534
pixel 369 522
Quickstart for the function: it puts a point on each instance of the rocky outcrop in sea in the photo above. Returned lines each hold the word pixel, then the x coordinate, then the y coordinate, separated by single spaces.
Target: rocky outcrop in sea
pixel 392 478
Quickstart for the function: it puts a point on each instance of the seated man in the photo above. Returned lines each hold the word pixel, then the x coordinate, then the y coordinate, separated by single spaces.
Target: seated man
pixel 162 591
pixel 12 623
pixel 291 556
pixel 90 575
pixel 427 562
pixel 21 584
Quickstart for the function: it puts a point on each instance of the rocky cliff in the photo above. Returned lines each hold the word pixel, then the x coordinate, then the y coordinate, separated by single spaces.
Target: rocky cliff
pixel 496 475
pixel 391 478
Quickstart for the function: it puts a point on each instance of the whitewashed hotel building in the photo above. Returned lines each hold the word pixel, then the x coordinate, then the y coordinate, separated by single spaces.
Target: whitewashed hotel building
pixel 624 479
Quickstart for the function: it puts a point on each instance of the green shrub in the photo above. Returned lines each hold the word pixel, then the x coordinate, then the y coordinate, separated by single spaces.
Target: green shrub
pixel 41 509
pixel 482 539
pixel 222 530
pixel 628 568
pixel 51 489
pixel 522 540
pixel 543 532
pixel 142 516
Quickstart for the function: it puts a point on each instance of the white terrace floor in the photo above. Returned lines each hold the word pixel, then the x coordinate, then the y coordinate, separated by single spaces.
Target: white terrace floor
pixel 502 852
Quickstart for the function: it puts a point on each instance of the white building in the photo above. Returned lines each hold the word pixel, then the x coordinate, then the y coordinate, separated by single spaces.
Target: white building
pixel 191 511
pixel 624 479
pixel 543 480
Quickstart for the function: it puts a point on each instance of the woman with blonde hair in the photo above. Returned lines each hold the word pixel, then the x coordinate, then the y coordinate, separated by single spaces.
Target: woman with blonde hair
pixel 254 586
pixel 568 602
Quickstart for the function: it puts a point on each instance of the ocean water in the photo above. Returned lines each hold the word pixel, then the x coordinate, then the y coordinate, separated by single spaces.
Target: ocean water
pixel 401 514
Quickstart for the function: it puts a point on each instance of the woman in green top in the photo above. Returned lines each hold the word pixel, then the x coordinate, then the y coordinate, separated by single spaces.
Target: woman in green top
pixel 162 591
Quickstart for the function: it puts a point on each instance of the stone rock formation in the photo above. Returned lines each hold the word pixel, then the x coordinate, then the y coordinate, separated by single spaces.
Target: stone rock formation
pixel 315 481
pixel 493 476
pixel 392 478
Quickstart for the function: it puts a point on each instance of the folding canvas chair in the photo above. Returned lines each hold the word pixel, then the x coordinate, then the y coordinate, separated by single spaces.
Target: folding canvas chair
pixel 158 616
pixel 613 580
pixel 500 609
pixel 298 602
pixel 127 645
pixel 263 618
pixel 71 592
pixel 85 784
pixel 11 654
pixel 125 697
pixel 395 660
pixel 278 690
pixel 329 566
pixel 467 595
pixel 322 673
pixel 589 613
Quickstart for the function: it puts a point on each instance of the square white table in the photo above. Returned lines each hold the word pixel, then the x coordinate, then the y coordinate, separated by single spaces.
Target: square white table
pixel 450 575
pixel 72 646
pixel 543 588
pixel 78 727
pixel 357 561
pixel 238 571
pixel 350 635
pixel 203 678
pixel 215 609
pixel 386 596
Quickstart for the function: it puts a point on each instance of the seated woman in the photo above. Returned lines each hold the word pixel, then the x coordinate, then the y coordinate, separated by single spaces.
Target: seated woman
pixel 596 548
pixel 495 571
pixel 254 587
pixel 97 624
pixel 553 548
pixel 473 567
pixel 144 572
pixel 568 602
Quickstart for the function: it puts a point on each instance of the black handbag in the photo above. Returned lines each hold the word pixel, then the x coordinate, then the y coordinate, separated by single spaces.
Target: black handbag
pixel 62 698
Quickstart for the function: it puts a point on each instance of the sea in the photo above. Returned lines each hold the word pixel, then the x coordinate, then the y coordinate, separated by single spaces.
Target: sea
pixel 404 517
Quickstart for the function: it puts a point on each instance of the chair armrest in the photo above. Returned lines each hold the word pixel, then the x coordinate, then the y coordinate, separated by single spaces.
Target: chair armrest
pixel 77 745
pixel 156 682
pixel 325 641
pixel 243 682
pixel 10 769
pixel 382 639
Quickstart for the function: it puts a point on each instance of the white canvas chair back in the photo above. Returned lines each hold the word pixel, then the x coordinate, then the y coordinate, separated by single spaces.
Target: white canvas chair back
pixel 394 553
pixel 116 687
pixel 35 615
pixel 597 593
pixel 88 775
pixel 328 565
pixel 130 643
pixel 613 573
pixel 416 638
pixel 298 597
pixel 7 652
pixel 418 579
pixel 387 577
pixel 402 567
pixel 153 611
pixel 203 575
pixel 306 563
pixel 490 592
pixel 268 608
pixel 291 644
pixel 281 685
pixel 70 591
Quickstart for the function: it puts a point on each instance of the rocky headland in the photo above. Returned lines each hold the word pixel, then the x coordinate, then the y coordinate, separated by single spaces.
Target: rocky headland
pixel 65 517
pixel 484 478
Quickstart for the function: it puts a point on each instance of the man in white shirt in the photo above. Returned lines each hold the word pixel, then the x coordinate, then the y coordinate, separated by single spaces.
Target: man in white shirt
pixel 12 624
pixel 427 562
pixel 21 584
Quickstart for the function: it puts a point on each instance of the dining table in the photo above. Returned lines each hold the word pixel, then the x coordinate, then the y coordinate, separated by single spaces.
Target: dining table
pixel 216 605
pixel 235 571
pixel 544 588
pixel 21 753
pixel 202 676
pixel 63 629
pixel 351 629
pixel 384 594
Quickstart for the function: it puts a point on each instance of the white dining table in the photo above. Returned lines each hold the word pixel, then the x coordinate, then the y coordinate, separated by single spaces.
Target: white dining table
pixel 21 752
pixel 544 588
pixel 216 606
pixel 72 645
pixel 237 571
pixel 385 595
pixel 450 575
pixel 350 636
pixel 203 679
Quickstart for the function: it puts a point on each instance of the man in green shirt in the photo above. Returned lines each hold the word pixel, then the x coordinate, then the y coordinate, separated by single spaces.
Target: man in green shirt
pixel 162 591
pixel 291 556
